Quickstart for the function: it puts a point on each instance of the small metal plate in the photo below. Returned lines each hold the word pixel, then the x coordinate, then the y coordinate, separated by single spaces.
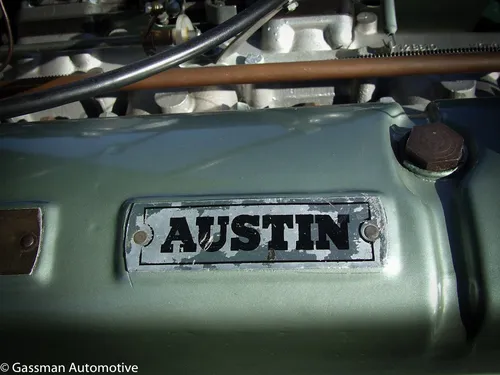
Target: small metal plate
pixel 20 231
pixel 268 233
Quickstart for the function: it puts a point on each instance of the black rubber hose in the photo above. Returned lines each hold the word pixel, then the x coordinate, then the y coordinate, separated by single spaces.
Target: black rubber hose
pixel 113 80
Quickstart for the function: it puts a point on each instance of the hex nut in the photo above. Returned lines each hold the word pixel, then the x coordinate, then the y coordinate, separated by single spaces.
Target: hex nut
pixel 292 5
pixel 254 59
pixel 434 147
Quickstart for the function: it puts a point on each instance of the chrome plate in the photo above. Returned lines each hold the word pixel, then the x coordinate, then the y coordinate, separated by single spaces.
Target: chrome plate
pixel 249 233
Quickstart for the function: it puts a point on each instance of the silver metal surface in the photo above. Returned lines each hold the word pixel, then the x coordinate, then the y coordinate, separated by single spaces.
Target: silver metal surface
pixel 340 33
pixel 236 44
pixel 283 39
pixel 217 11
pixel 175 102
pixel 460 89
pixel 255 234
pixel 275 96
pixel 209 99
pixel 318 33
pixel 366 91
pixel 367 23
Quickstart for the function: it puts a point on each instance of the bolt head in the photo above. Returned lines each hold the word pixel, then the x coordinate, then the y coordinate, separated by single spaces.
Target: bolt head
pixel 254 59
pixel 28 241
pixel 434 147
pixel 292 5
pixel 143 237
pixel 140 237
pixel 369 231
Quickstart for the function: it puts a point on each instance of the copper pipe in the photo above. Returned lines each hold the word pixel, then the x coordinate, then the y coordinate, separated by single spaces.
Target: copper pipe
pixel 309 71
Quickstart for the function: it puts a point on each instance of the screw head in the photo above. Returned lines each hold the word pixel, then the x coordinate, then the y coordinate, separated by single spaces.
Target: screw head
pixel 434 147
pixel 370 232
pixel 28 241
pixel 140 237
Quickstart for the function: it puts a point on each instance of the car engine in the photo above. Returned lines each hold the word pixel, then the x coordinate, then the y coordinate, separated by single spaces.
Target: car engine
pixel 251 186
pixel 57 40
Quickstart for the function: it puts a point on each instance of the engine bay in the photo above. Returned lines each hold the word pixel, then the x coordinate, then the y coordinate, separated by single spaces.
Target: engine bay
pixel 59 42
pixel 252 187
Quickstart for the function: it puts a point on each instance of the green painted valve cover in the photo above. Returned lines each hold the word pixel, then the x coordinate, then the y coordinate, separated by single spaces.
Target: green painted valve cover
pixel 427 302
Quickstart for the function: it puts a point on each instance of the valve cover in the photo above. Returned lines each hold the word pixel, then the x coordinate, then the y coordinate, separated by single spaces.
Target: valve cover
pixel 273 241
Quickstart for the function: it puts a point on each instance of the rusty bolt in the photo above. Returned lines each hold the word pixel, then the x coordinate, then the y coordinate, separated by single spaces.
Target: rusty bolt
pixel 434 147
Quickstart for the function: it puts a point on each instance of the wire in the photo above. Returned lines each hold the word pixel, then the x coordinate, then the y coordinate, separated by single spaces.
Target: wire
pixel 137 71
pixel 9 36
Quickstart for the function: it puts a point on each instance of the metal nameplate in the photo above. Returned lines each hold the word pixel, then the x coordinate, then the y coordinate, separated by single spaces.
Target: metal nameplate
pixel 267 233
pixel 20 232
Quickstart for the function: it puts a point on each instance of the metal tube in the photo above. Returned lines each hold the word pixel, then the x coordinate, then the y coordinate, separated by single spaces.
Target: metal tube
pixel 391 23
pixel 309 71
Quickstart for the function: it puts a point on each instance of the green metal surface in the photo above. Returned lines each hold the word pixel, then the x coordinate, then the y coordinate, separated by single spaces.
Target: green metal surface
pixel 80 305
pixel 476 197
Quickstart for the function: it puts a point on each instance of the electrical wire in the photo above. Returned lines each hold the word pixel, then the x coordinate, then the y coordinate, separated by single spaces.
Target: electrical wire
pixel 9 37
pixel 137 71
